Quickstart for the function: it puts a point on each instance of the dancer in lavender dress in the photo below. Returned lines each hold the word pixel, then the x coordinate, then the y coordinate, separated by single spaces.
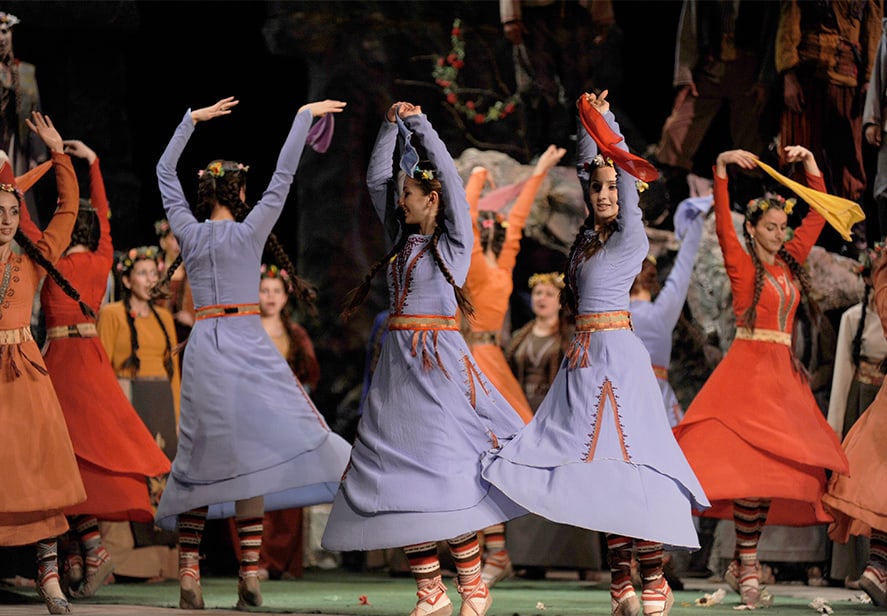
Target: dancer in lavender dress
pixel 654 311
pixel 250 438
pixel 599 453
pixel 414 477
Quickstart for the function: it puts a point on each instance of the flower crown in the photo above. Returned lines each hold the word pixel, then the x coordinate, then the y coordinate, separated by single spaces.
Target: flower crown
pixel 771 199
pixel 272 271
pixel 9 19
pixel 161 227
pixel 553 278
pixel 12 188
pixel 498 218
pixel 126 261
pixel 423 174
pixel 867 258
pixel 601 161
pixel 217 169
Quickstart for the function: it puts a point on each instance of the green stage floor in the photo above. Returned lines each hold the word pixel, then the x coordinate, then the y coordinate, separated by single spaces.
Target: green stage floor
pixel 338 592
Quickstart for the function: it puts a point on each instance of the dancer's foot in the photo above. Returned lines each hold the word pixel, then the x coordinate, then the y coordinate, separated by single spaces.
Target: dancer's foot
pixel 72 575
pixel 496 568
pixel 625 603
pixel 190 593
pixel 248 592
pixel 874 582
pixel 98 568
pixel 657 598
pixel 433 599
pixel 51 592
pixel 476 599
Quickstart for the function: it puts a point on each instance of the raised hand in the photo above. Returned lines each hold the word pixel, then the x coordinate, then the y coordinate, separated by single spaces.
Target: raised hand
pixel 741 158
pixel 43 127
pixel 798 153
pixel 549 158
pixel 321 108
pixel 221 108
pixel 75 147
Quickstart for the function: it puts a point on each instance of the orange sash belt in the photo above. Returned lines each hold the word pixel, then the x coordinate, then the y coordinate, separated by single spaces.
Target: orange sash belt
pixel 482 338
pixel 764 335
pixel 15 336
pixel 586 325
pixel 421 325
pixel 422 322
pixel 869 373
pixel 78 330
pixel 226 310
pixel 661 372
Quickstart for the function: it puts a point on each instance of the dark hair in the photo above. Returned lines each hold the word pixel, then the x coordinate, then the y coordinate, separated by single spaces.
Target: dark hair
pixel 750 315
pixel 221 183
pixel 427 185
pixel 86 228
pixel 647 279
pixel 493 240
pixel 133 363
pixel 856 352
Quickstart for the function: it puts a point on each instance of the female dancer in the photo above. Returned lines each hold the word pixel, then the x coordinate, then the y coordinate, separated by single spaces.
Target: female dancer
pixel 602 424
pixel 761 448
pixel 655 311
pixel 115 452
pixel 489 284
pixel 857 501
pixel 40 476
pixel 179 302
pixel 414 476
pixel 250 438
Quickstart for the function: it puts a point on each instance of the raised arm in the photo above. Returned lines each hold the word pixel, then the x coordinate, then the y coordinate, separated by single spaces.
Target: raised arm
pixel 455 243
pixel 808 231
pixel 670 300
pixel 97 196
pixel 173 197
pixel 736 260
pixel 380 179
pixel 477 270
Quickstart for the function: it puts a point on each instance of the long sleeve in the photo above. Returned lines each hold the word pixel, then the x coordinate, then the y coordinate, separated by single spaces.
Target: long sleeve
pixel 844 369
pixel 517 220
pixel 57 235
pixel 670 300
pixel 808 231
pixel 737 262
pixel 109 326
pixel 454 244
pixel 99 201
pixel 380 179
pixel 174 203
pixel 477 270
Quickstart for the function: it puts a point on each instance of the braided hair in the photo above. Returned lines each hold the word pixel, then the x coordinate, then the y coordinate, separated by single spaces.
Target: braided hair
pixel 487 219
pixel 86 228
pixel 856 349
pixel 427 182
pixel 221 182
pixel 31 249
pixel 124 268
pixel 753 215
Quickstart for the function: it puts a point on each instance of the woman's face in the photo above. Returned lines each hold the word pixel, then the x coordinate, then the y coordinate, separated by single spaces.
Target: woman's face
pixel 769 232
pixel 545 300
pixel 142 278
pixel 9 217
pixel 603 194
pixel 272 296
pixel 418 207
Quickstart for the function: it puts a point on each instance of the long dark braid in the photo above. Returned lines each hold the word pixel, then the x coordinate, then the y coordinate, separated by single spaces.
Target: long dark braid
pixel 751 313
pixel 462 298
pixel 356 296
pixel 221 182
pixel 34 253
pixel 856 349
pixel 570 294
pixel 133 363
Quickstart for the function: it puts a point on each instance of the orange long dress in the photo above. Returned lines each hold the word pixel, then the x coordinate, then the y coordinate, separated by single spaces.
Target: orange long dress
pixel 490 287
pixel 38 470
pixel 858 501
pixel 755 430
pixel 115 451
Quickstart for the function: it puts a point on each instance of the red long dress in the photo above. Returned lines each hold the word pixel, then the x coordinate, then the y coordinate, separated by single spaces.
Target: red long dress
pixel 754 430
pixel 490 287
pixel 114 449
pixel 858 501
pixel 38 471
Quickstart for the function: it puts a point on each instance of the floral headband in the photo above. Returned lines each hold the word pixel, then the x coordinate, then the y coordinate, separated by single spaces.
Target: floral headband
pixel 161 228
pixel 601 161
pixel 12 188
pixel 217 169
pixel 8 19
pixel 272 271
pixel 771 199
pixel 867 258
pixel 488 223
pixel 553 278
pixel 141 253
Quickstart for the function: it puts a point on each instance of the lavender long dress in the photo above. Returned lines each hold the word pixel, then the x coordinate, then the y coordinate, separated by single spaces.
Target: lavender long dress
pixel 430 413
pixel 247 427
pixel 599 453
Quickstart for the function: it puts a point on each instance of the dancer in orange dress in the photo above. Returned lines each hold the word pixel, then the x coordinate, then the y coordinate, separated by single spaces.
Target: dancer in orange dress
pixel 489 284
pixel 858 501
pixel 754 434
pixel 40 475
pixel 115 452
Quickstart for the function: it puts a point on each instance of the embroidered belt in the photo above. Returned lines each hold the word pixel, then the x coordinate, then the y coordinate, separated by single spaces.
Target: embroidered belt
pixel 226 310
pixel 15 336
pixel 603 321
pixel 764 335
pixel 78 330
pixel 422 322
pixel 661 372
pixel 482 338
pixel 869 373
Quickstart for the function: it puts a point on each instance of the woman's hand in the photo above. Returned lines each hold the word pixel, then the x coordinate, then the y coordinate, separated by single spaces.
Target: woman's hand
pixel 43 127
pixel 598 101
pixel 742 158
pixel 221 108
pixel 321 108
pixel 75 147
pixel 798 153
pixel 549 158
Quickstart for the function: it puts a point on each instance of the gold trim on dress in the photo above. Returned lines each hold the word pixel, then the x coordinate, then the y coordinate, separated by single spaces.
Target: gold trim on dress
pixel 764 335
pixel 661 372
pixel 869 373
pixel 488 337
pixel 422 322
pixel 603 321
pixel 226 310
pixel 16 336
pixel 78 330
